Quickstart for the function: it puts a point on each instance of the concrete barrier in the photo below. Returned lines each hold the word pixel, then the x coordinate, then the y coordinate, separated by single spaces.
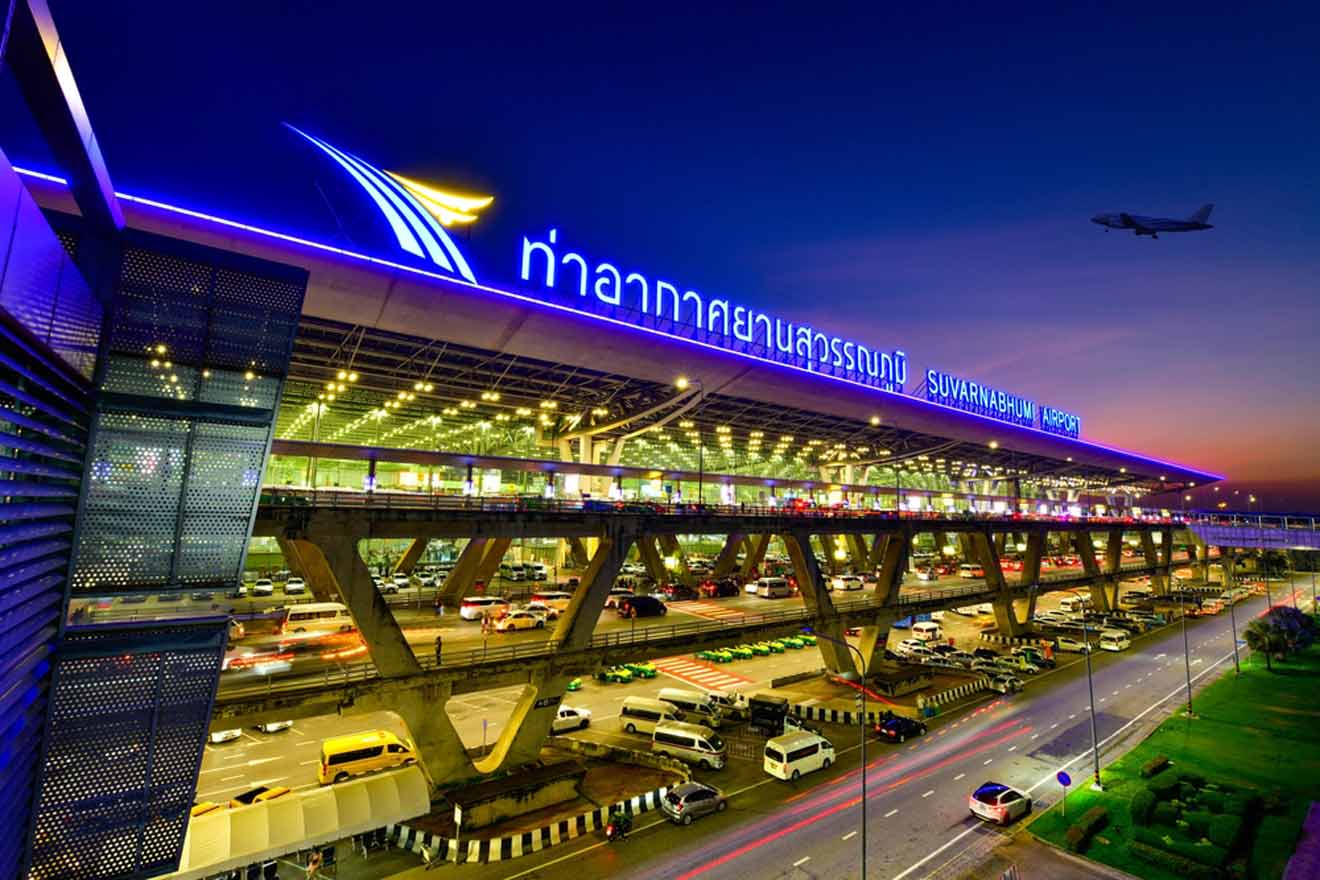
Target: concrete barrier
pixel 500 849
pixel 797 677
pixel 949 695
pixel 605 751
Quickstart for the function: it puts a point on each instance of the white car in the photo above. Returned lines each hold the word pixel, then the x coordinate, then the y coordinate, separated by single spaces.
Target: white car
pixel 996 802
pixel 294 585
pixel 926 573
pixel 1006 684
pixel 401 580
pixel 274 726
pixel 549 612
pixel 571 718
pixel 963 658
pixel 905 646
pixel 263 587
pixel 520 619
pixel 981 664
pixel 224 736
pixel 1068 643
pixel 848 582
pixel 922 653
pixel 477 607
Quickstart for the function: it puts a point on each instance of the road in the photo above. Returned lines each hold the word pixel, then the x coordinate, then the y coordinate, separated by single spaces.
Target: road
pixel 918 823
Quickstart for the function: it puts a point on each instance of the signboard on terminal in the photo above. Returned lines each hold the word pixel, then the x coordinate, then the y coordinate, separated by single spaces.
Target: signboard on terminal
pixel 971 396
pixel 419 215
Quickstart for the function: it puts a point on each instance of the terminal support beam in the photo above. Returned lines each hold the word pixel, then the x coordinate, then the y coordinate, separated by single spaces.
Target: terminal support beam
pixel 432 732
pixel 983 551
pixel 337 561
pixel 491 558
pixel 811 584
pixel 408 561
pixel 887 551
pixel 727 561
pixel 464 573
pixel 577 551
pixel 318 579
pixel 755 555
pixel 529 725
pixel 669 543
pixel 1032 558
pixel 1159 581
pixel 650 554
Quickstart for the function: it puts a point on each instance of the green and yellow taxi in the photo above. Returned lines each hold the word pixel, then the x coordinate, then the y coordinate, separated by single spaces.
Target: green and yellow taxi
pixel 775 646
pixel 574 685
pixel 741 652
pixel 614 674
pixel 759 649
pixel 715 655
pixel 793 642
pixel 642 670
pixel 806 639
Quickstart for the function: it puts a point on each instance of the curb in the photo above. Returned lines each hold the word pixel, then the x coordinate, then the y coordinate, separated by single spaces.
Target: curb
pixel 1083 862
pixel 848 717
pixel 500 849
pixel 957 692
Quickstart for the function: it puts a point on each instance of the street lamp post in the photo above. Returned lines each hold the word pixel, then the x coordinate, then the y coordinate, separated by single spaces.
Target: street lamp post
pixel 1090 689
pixel 1232 616
pixel 1187 657
pixel 861 697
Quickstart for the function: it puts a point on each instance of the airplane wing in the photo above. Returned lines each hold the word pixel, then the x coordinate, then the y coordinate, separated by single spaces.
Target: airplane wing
pixel 1131 223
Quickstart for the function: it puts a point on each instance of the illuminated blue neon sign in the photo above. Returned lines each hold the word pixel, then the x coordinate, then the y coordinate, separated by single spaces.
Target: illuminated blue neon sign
pixel 652 302
pixel 971 396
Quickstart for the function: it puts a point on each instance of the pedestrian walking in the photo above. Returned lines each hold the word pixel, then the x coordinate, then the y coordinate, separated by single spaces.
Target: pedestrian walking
pixel 438 644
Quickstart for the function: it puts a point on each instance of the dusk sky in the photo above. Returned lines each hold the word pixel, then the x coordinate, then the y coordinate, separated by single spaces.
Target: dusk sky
pixel 921 178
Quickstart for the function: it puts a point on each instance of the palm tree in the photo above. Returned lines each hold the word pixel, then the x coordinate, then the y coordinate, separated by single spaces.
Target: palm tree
pixel 1264 637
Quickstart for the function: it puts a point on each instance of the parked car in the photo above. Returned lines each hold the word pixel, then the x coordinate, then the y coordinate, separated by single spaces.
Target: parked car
pixel 642 669
pixel 224 736
pixel 899 728
pixel 679 592
pixel 617 595
pixel 720 588
pixel 985 653
pixel 996 802
pixel 1006 684
pixel 642 606
pixel 263 587
pixel 1068 643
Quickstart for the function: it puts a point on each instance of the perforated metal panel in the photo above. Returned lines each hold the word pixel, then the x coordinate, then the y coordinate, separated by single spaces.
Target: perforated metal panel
pixel 223 479
pixel 45 406
pixel 128 721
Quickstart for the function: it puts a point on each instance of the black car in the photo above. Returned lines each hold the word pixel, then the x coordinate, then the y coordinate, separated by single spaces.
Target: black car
pixel 678 592
pixel 985 654
pixel 945 649
pixel 899 728
pixel 642 606
pixel 720 588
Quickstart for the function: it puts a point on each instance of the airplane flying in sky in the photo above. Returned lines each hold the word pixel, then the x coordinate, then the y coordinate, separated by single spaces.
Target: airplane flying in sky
pixel 1153 226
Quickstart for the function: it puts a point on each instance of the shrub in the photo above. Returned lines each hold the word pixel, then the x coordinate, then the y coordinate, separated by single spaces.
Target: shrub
pixel 1165 814
pixel 1187 791
pixel 1174 863
pixel 1154 765
pixel 1079 835
pixel 1164 786
pixel 1196 780
pixel 1224 831
pixel 1245 805
pixel 1199 822
pixel 1275 801
pixel 1213 800
pixel 1143 802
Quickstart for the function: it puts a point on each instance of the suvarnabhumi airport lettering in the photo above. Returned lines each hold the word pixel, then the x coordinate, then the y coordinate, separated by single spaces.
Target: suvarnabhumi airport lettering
pixel 674 308
pixel 971 396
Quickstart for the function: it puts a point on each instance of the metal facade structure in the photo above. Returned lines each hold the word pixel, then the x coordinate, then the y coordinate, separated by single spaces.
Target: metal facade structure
pixel 127 727
pixel 49 324
pixel 196 350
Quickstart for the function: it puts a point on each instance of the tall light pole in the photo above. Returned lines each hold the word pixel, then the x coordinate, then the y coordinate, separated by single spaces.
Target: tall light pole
pixel 861 721
pixel 1090 689
pixel 1232 616
pixel 1187 657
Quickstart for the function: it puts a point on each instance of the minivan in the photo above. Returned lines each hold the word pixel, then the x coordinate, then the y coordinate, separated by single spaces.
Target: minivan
pixel 556 599
pixel 1075 604
pixel 698 706
pixel 693 743
pixel 512 571
pixel 1114 640
pixel 477 607
pixel 927 631
pixel 791 755
pixel 773 588
pixel 642 714
pixel 358 753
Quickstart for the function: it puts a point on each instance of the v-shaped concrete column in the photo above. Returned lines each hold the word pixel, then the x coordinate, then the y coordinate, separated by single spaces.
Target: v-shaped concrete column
pixel 811 584
pixel 408 561
pixel 727 561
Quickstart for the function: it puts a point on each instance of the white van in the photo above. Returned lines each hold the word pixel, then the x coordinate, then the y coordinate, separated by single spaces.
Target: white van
pixel 791 755
pixel 928 631
pixel 697 705
pixel 512 571
pixel 1114 640
pixel 556 599
pixel 692 743
pixel 773 588
pixel 642 714
pixel 315 617
pixel 1075 604
pixel 535 571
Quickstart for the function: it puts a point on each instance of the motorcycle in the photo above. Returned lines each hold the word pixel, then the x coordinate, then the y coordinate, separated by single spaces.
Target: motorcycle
pixel 619 826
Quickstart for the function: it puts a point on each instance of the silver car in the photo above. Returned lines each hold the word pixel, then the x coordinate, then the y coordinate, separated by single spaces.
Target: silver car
pixel 691 800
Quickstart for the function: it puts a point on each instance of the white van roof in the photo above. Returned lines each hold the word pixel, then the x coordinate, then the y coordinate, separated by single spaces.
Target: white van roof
pixel 1114 634
pixel 700 730
pixel 684 694
pixel 649 703
pixel 316 607
pixel 925 624
pixel 790 741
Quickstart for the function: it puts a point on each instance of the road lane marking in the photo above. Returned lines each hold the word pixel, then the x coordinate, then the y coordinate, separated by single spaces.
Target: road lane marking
pixel 959 776
pixel 929 793
pixel 802 861
pixel 305 763
pixel 1054 725
pixel 850 835
pixel 228 778
pixel 1072 716
pixel 890 813
pixel 986 761
pixel 1012 748
pixel 1034 735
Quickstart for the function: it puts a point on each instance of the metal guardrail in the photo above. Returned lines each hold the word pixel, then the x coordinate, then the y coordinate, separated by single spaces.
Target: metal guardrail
pixel 1252 521
pixel 334 499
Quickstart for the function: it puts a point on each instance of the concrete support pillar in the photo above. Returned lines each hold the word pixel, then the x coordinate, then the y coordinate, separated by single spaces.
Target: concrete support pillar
pixel 432 732
pixel 529 724
pixel 408 561
pixel 318 578
pixel 1032 558
pixel 336 559
pixel 755 555
pixel 464 573
pixel 1096 587
pixel 577 552
pixel 727 561
pixel 872 645
pixel 1228 565
pixel 966 546
pixel 858 552
pixel 681 572
pixel 983 552
pixel 1113 551
pixel 876 552
pixel 825 553
pixel 1001 541
pixel 811 583
pixel 650 555
pixel 1158 580
pixel 889 567
pixel 941 541
pixel 491 558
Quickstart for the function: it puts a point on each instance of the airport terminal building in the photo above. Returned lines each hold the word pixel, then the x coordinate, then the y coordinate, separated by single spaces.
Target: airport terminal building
pixel 160 365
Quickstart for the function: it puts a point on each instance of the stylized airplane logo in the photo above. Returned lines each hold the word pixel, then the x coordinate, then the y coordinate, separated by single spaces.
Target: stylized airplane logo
pixel 417 213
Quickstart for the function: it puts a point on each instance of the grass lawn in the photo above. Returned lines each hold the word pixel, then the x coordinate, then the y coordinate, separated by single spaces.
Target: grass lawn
pixel 1259 730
